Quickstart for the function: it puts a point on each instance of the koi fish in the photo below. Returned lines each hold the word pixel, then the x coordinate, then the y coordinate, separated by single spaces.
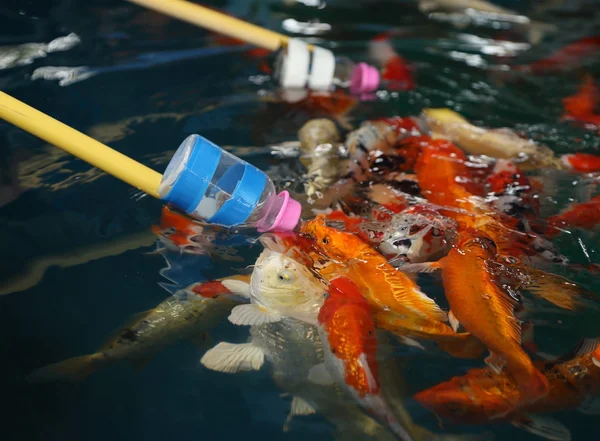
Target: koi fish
pixel 496 143
pixel 571 56
pixel 584 102
pixel 191 236
pixel 485 311
pixel 482 394
pixel 416 234
pixel 188 314
pixel 585 215
pixel 350 346
pixel 319 146
pixel 511 192
pixel 397 302
pixel 295 351
pixel 396 73
pixel 581 162
pixel 374 139
pixel 383 286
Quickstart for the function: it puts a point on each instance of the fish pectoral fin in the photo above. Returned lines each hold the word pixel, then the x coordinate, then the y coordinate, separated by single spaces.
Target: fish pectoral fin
pixel 409 342
pixel 425 267
pixel 319 374
pixel 232 358
pixel 545 427
pixel 251 315
pixel 495 362
pixel 558 290
pixel 238 287
pixel 301 407
pixel 454 323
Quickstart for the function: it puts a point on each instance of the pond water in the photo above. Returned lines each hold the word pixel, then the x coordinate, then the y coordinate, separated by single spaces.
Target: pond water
pixel 78 252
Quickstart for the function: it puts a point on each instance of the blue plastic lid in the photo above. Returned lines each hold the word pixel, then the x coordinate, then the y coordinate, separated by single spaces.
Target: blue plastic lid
pixel 194 166
pixel 245 196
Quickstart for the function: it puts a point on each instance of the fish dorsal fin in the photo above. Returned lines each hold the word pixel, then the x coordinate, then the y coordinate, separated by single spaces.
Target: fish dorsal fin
pixel 232 358
pixel 409 342
pixel 301 407
pixel 251 315
pixel 407 293
pixel 238 287
pixel 319 374
pixel 454 323
pixel 429 307
pixel 545 427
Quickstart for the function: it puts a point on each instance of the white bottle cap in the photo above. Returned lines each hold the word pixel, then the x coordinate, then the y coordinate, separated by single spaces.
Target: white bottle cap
pixel 295 64
pixel 323 67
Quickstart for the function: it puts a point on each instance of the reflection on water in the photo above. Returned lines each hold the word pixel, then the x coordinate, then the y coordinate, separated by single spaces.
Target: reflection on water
pixel 82 253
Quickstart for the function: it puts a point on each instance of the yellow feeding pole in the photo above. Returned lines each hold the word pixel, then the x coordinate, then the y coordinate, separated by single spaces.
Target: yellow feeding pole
pixel 217 22
pixel 80 145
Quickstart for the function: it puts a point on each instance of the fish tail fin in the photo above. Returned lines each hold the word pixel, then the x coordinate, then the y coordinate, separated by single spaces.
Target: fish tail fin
pixel 73 369
pixel 532 384
pixel 468 347
pixel 556 289
pixel 381 410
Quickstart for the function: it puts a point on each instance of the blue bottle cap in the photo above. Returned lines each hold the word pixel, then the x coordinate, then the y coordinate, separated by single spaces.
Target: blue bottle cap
pixel 192 169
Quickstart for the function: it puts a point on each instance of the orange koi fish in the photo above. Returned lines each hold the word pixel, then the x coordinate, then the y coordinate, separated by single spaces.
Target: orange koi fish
pixel 486 312
pixel 480 395
pixel 348 335
pixel 397 302
pixel 383 286
pixel 178 228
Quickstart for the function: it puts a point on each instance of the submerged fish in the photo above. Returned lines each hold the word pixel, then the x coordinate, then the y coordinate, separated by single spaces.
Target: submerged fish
pixel 482 394
pixel 496 143
pixel 319 144
pixel 286 299
pixel 188 314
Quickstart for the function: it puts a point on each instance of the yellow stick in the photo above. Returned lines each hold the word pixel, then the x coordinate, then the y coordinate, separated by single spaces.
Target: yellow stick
pixel 80 145
pixel 217 22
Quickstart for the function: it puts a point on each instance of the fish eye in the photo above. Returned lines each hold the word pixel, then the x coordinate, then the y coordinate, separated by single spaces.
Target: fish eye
pixel 286 276
pixel 325 240
pixel 436 232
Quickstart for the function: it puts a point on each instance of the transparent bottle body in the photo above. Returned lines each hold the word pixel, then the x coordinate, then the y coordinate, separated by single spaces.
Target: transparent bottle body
pixel 265 211
pixel 342 74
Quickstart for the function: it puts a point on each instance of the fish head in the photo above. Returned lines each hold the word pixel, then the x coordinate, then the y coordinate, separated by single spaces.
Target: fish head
pixel 334 244
pixel 418 236
pixel 286 286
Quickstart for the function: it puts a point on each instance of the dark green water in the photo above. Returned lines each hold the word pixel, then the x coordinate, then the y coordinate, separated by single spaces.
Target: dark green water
pixel 141 83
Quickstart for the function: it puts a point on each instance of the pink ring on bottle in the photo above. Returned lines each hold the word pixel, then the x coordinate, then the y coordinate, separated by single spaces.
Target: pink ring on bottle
pixel 364 79
pixel 288 216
